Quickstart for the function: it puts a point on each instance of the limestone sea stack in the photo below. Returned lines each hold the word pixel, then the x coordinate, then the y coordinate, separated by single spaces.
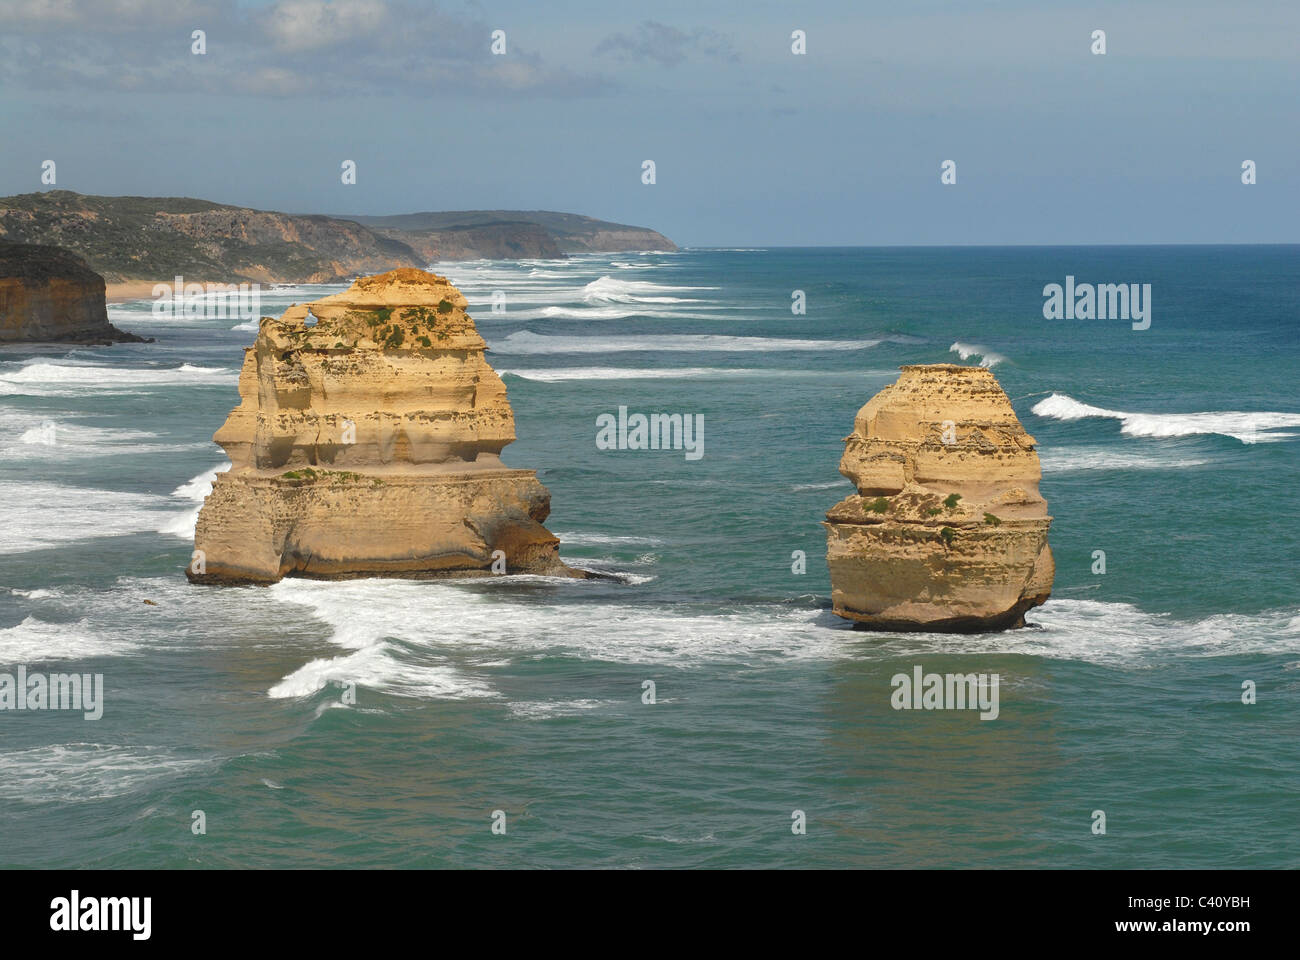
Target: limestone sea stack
pixel 48 294
pixel 367 442
pixel 947 531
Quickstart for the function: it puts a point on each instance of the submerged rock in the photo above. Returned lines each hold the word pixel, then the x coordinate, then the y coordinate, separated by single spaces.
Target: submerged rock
pixel 947 531
pixel 367 443
pixel 48 294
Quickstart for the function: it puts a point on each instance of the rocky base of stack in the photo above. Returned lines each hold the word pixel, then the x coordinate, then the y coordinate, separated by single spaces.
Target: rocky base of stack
pixel 339 525
pixel 941 576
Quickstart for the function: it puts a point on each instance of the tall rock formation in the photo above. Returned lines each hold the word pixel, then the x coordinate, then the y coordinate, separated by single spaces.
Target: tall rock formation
pixel 48 294
pixel 367 442
pixel 947 531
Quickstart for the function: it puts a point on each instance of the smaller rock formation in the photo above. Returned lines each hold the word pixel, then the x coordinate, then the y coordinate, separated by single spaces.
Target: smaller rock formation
pixel 367 443
pixel 50 294
pixel 947 531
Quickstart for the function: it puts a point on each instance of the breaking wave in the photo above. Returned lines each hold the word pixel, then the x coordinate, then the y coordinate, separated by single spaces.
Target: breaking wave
pixel 1248 427
pixel 196 491
pixel 45 378
pixel 988 358
pixel 610 290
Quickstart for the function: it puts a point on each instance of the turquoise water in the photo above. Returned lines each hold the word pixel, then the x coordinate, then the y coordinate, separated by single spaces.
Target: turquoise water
pixel 524 695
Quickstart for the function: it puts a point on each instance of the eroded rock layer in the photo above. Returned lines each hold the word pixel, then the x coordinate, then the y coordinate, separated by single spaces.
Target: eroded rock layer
pixel 367 442
pixel 947 530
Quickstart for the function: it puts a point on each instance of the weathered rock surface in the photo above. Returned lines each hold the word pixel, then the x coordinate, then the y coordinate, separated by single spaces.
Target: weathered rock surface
pixel 50 294
pixel 947 531
pixel 367 442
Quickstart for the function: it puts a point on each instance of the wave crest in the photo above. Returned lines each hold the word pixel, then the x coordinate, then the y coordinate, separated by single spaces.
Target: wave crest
pixel 1248 427
pixel 988 358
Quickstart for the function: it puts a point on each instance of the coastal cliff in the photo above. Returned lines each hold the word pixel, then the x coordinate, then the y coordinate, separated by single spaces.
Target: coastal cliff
pixel 155 239
pixel 947 531
pixel 134 240
pixel 464 234
pixel 493 241
pixel 367 442
pixel 48 294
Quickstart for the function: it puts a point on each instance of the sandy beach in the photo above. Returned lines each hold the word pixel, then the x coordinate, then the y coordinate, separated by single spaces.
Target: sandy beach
pixel 132 290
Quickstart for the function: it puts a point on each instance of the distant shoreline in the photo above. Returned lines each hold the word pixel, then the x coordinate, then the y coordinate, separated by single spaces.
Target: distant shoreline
pixel 131 290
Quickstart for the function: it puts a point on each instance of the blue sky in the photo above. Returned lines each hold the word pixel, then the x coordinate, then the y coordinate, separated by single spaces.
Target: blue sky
pixel 752 144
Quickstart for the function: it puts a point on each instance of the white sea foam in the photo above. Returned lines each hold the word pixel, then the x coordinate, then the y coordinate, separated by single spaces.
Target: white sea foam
pixel 408 628
pixel 611 290
pixel 1248 427
pixel 410 632
pixel 1102 632
pixel 547 709
pixel 1078 459
pixel 23 437
pixel 842 482
pixel 37 641
pixel 607 312
pixel 988 358
pixel 527 342
pixel 198 488
pixel 591 539
pixel 46 378
pixel 42 515
pixel 77 772
pixel 1098 631
pixel 382 667
pixel 195 491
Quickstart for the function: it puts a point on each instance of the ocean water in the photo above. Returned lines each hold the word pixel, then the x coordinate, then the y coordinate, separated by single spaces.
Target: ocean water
pixel 1173 449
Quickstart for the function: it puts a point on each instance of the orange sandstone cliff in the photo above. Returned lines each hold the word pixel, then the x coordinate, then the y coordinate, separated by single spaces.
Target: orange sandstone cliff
pixel 48 294
pixel 367 442
pixel 947 531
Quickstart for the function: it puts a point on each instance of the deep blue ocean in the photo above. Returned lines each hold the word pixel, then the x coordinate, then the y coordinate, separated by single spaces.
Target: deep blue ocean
pixel 1174 450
